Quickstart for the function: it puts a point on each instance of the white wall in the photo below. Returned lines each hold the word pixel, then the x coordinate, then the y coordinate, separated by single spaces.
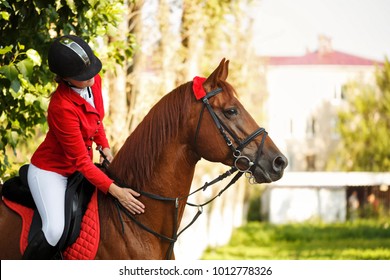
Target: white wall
pixel 300 204
pixel 297 94
pixel 305 196
pixel 215 226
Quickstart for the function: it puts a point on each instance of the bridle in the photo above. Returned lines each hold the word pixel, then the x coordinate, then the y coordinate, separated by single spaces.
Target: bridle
pixel 224 131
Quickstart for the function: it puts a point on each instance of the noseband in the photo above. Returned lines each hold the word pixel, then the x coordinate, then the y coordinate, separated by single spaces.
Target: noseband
pixel 225 132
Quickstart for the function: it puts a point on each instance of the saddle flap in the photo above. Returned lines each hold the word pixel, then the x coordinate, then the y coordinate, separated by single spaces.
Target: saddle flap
pixel 16 189
pixel 77 196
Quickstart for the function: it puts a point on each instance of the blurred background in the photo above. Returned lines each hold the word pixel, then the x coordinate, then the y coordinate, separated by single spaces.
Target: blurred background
pixel 314 73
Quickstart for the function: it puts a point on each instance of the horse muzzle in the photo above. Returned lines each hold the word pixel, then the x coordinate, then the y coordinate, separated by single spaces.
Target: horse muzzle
pixel 269 170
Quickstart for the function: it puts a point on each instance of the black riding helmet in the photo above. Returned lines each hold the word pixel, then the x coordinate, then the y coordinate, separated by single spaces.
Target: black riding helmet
pixel 71 57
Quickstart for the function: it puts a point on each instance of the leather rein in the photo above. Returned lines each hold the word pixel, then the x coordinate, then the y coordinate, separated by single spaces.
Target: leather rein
pixel 225 132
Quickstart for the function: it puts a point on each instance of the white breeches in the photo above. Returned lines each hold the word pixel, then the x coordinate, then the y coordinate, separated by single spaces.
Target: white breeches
pixel 48 190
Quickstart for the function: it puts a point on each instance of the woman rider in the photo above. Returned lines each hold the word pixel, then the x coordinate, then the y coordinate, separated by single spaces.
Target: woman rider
pixel 75 119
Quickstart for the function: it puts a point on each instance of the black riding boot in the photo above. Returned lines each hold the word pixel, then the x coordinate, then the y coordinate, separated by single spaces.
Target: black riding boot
pixel 39 249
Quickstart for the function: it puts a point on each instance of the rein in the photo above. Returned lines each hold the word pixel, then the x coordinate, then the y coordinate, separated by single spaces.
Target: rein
pixel 176 202
pixel 224 131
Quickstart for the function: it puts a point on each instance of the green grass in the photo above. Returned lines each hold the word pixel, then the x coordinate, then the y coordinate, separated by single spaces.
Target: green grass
pixel 360 240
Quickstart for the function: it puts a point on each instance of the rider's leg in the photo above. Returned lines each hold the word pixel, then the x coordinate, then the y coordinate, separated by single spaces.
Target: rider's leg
pixel 48 190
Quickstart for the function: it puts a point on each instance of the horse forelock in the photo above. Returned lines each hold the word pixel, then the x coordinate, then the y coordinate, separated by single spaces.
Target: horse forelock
pixel 135 162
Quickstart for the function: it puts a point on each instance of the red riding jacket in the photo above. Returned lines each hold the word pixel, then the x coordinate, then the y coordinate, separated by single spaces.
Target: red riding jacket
pixel 73 126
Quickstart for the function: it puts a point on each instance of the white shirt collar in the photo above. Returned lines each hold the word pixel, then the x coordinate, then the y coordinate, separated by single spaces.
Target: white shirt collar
pixel 85 93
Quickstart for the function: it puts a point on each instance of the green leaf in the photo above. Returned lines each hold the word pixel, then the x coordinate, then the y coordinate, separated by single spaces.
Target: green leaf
pixel 34 56
pixel 12 137
pixel 15 125
pixel 9 71
pixel 6 4
pixel 5 50
pixel 15 86
pixel 20 46
pixel 4 15
pixel 29 98
pixel 26 67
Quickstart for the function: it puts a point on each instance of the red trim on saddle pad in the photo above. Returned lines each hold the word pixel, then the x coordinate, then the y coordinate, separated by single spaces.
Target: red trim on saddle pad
pixel 26 214
pixel 86 245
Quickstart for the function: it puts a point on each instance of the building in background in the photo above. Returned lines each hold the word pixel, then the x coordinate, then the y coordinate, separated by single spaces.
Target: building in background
pixel 326 197
pixel 305 93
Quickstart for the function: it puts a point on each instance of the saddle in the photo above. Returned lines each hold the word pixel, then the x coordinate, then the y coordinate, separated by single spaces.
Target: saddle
pixel 77 201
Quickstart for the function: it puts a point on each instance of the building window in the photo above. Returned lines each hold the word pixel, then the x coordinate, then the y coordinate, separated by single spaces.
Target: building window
pixel 338 95
pixel 311 127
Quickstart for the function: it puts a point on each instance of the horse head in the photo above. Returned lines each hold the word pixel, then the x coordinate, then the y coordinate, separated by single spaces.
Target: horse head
pixel 227 133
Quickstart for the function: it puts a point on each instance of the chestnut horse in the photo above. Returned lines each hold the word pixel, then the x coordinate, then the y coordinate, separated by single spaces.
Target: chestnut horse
pixel 158 159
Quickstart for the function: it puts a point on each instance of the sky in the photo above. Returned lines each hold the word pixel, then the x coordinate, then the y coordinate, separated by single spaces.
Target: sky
pixel 290 27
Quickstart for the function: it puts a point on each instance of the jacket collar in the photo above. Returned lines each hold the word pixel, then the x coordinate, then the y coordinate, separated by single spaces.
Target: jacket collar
pixel 76 98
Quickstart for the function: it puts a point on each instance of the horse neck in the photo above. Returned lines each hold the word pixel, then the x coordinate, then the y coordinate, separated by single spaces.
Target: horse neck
pixel 158 158
pixel 172 179
pixel 174 172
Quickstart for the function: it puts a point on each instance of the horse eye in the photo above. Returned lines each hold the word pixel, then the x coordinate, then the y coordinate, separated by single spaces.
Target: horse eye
pixel 230 112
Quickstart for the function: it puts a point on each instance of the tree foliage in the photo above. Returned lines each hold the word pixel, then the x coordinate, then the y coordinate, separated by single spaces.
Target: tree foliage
pixel 23 104
pixel 27 27
pixel 364 125
pixel 208 31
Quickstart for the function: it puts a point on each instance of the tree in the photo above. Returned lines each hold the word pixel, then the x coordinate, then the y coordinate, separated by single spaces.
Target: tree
pixel 27 28
pixel 191 37
pixel 364 125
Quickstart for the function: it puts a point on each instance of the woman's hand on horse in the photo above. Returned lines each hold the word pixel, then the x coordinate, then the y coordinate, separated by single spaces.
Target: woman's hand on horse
pixel 127 198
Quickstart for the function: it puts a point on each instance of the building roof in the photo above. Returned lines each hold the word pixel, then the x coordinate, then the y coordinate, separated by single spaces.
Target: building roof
pixel 322 58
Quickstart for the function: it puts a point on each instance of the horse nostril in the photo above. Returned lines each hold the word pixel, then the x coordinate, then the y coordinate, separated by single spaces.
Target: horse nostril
pixel 279 163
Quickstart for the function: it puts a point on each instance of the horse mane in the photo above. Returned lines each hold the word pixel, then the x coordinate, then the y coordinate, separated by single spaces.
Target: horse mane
pixel 136 160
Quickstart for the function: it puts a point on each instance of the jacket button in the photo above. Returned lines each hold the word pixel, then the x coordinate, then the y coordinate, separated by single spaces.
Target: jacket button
pixel 91 138
pixel 89 147
pixel 98 122
pixel 96 131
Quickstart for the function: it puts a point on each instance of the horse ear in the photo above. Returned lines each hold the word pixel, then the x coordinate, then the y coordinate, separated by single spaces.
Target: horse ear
pixel 220 73
pixel 225 71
